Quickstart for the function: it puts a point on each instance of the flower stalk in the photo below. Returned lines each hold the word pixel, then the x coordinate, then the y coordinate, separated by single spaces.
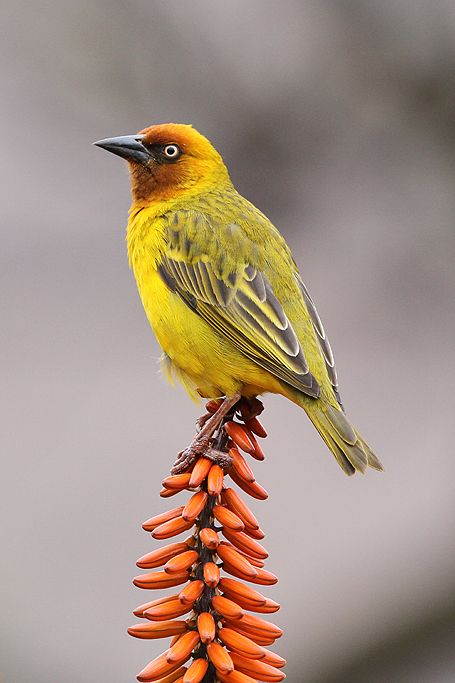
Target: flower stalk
pixel 214 636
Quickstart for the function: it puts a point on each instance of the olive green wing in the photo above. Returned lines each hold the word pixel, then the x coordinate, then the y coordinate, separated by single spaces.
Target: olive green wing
pixel 322 338
pixel 213 274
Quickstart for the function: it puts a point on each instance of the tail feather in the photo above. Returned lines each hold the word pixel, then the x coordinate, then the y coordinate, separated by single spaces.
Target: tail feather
pixel 350 450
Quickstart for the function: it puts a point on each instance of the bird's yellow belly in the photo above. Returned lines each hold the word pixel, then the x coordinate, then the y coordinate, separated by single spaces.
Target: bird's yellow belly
pixel 200 356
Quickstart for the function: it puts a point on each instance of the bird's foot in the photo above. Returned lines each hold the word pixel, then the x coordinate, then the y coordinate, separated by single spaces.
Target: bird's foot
pixel 196 449
pixel 201 444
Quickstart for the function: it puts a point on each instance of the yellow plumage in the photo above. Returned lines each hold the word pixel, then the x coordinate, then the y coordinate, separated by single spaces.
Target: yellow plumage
pixel 221 289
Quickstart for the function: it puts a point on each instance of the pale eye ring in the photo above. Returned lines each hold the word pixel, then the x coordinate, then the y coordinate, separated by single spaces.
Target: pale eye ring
pixel 171 151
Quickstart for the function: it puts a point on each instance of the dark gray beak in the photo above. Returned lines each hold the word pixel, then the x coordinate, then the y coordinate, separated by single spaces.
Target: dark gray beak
pixel 128 147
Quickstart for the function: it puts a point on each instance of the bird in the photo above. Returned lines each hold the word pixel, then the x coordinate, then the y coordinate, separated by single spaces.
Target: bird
pixel 222 292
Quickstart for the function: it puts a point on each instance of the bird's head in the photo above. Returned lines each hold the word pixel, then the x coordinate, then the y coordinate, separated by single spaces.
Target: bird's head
pixel 167 161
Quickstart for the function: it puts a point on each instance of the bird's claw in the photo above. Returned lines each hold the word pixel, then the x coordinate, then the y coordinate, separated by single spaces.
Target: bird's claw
pixel 198 449
pixel 187 457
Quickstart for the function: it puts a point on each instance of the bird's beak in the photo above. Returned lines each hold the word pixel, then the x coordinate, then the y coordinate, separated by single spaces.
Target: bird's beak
pixel 128 147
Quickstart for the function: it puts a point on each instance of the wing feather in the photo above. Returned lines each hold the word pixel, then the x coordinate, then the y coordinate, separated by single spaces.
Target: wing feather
pixel 237 301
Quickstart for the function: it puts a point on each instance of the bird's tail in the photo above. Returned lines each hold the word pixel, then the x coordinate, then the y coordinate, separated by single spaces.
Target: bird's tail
pixel 350 450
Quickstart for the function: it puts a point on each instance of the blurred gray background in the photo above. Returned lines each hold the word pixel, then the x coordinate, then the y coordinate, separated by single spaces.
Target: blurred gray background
pixel 337 120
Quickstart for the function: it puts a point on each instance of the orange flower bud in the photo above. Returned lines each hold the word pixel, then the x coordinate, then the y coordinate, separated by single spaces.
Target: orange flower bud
pixel 191 592
pixel 259 638
pixel 227 518
pixel 200 471
pixel 167 610
pixel 256 668
pixel 196 671
pixel 240 465
pixel 172 528
pixel 177 482
pixel 206 627
pixel 156 669
pixel 227 608
pixel 155 521
pixel 234 559
pixel 257 452
pixel 209 538
pixel 175 677
pixel 139 611
pixel 260 625
pixel 267 607
pixel 265 578
pixel 215 480
pixel 253 489
pixel 236 504
pixel 160 556
pixel 273 659
pixel 159 580
pixel 239 436
pixel 161 629
pixel 168 493
pixel 220 658
pixel 194 506
pixel 182 562
pixel 245 543
pixel 258 534
pixel 240 591
pixel 234 677
pixel 211 574
pixel 256 562
pixel 256 427
pixel 183 648
pixel 241 644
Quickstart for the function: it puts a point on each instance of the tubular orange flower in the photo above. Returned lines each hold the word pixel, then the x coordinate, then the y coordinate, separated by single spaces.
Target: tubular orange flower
pixel 227 518
pixel 234 559
pixel 215 480
pixel 194 506
pixel 209 538
pixel 191 592
pixel 200 471
pixel 273 659
pixel 160 580
pixel 241 644
pixel 214 603
pixel 161 629
pixel 206 627
pixel 256 668
pixel 159 557
pixel 245 543
pixel 157 668
pixel 155 521
pixel 211 574
pixel 167 610
pixel 239 436
pixel 251 487
pixel 220 658
pixel 139 611
pixel 235 677
pixel 233 501
pixel 196 671
pixel 181 563
pixel 240 465
pixel 182 649
pixel 256 427
pixel 172 528
pixel 227 608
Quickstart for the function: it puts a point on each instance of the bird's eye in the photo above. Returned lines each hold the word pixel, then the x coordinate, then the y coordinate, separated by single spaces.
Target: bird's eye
pixel 172 151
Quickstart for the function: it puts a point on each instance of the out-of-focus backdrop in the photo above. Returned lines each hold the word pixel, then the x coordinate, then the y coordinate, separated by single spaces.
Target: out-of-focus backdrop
pixel 337 119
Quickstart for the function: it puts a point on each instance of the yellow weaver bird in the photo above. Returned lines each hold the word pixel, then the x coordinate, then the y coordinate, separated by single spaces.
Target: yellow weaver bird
pixel 222 291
